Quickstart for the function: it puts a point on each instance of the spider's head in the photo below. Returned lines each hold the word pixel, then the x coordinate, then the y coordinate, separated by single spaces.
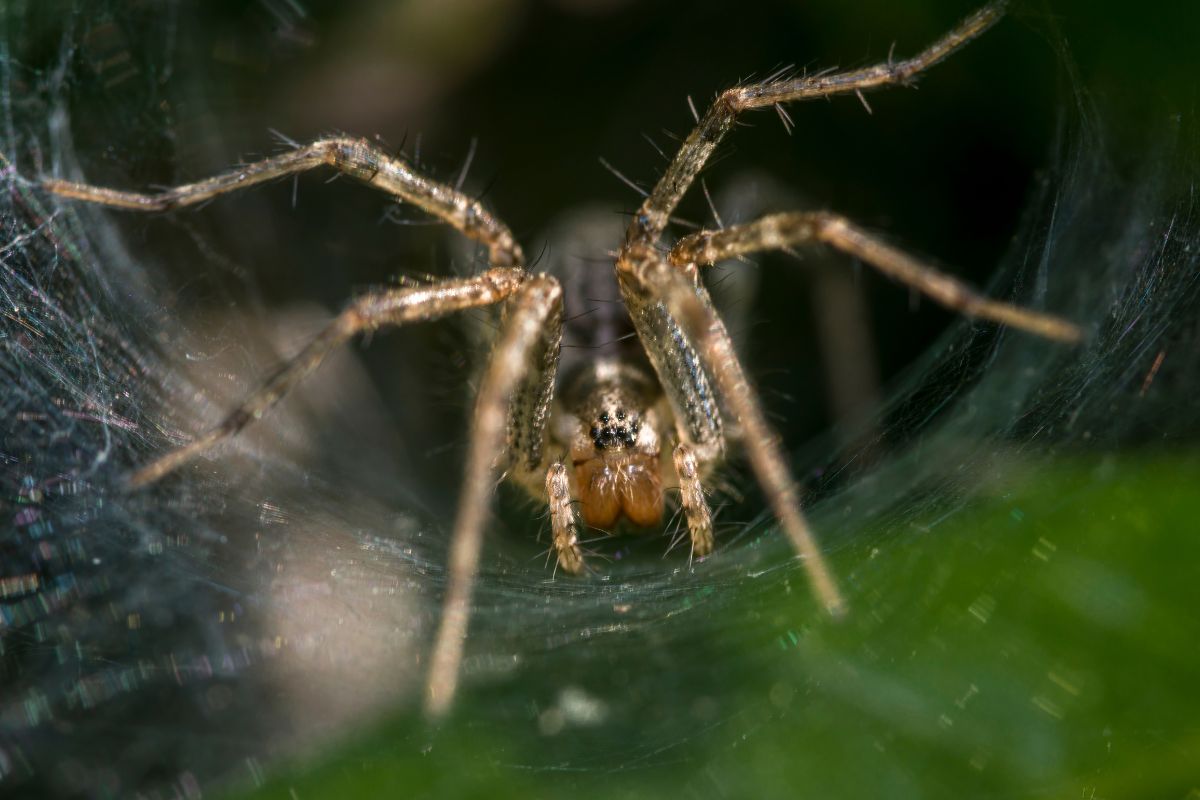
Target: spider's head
pixel 616 459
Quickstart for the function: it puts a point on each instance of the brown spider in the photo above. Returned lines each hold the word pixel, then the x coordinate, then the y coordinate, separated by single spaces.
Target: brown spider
pixel 613 431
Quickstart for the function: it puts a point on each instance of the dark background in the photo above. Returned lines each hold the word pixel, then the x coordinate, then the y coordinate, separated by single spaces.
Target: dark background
pixel 546 89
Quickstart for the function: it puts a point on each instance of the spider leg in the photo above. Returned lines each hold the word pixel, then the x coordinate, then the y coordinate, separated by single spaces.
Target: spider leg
pixel 648 282
pixel 562 519
pixel 355 157
pixel 651 219
pixel 367 313
pixel 779 231
pixel 695 506
pixel 533 324
pixel 514 400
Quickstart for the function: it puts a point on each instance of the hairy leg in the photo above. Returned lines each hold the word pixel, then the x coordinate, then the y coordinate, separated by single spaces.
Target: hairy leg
pixel 647 281
pixel 651 219
pixel 388 307
pixel 695 506
pixel 563 522
pixel 355 157
pixel 533 322
pixel 780 231
pixel 513 401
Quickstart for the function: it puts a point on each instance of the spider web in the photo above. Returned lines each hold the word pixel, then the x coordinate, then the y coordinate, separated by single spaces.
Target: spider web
pixel 281 595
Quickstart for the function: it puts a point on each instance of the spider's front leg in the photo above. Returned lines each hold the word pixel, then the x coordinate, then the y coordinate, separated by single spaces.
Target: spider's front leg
pixel 651 219
pixel 656 291
pixel 510 417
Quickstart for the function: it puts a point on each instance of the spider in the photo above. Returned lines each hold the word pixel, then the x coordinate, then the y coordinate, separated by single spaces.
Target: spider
pixel 599 442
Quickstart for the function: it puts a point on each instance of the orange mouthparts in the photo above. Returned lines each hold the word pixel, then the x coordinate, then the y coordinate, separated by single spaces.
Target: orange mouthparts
pixel 620 483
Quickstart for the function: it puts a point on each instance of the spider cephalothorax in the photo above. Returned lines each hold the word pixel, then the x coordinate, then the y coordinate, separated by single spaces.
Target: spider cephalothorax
pixel 623 429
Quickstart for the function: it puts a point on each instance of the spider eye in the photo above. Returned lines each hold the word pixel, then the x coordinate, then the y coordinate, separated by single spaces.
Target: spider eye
pixel 620 413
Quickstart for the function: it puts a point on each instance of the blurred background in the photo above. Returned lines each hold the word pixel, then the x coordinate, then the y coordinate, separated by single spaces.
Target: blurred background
pixel 535 95
pixel 524 100
pixel 274 601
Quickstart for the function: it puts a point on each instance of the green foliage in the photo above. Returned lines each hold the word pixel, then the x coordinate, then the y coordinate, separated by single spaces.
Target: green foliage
pixel 1042 641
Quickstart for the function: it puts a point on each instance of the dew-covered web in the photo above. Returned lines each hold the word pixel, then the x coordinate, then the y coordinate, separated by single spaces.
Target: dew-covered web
pixel 282 593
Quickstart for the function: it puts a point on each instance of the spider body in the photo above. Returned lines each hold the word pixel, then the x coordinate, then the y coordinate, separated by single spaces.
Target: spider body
pixel 619 426
pixel 608 414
